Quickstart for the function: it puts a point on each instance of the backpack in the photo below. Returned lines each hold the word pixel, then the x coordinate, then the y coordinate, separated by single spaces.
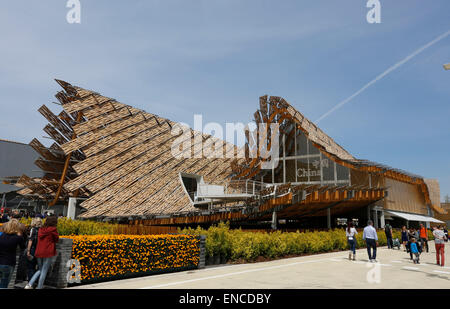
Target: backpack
pixel 387 229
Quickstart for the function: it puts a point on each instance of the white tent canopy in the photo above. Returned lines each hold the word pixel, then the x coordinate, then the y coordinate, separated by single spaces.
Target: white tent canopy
pixel 413 217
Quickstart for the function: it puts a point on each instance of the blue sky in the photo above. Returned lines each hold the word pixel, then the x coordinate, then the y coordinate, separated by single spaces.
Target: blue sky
pixel 215 58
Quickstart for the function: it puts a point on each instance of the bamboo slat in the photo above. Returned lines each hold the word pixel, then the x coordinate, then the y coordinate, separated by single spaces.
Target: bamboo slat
pixel 153 149
pixel 105 119
pixel 55 135
pixel 56 122
pixel 160 143
pixel 103 108
pixel 92 137
pixel 134 189
pixel 151 198
pixel 88 100
pixel 122 135
pixel 174 202
pixel 165 160
pixel 221 168
pixel 25 191
pixel 176 198
pixel 179 198
pixel 118 165
pixel 155 202
pixel 164 201
pixel 33 185
pixel 126 202
pixel 55 167
pixel 43 151
pixel 158 186
pixel 66 119
pixel 122 184
pixel 83 93
pixel 121 147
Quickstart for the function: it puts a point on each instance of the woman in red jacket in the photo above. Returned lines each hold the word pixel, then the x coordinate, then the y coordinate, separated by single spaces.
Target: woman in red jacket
pixel 45 250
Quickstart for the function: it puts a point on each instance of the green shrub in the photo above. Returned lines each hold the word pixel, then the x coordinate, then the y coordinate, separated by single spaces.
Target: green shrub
pixel 248 246
pixel 67 226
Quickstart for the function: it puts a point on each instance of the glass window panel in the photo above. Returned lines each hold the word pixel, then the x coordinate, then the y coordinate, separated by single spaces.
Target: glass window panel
pixel 342 172
pixel 267 178
pixel 301 143
pixel 278 171
pixel 302 170
pixel 290 146
pixel 314 168
pixel 312 148
pixel 328 169
pixel 290 171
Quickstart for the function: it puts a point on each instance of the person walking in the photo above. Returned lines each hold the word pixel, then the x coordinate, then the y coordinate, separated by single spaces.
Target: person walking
pixel 439 244
pixel 388 232
pixel 350 232
pixel 36 224
pixel 404 238
pixel 423 233
pixel 446 234
pixel 415 251
pixel 10 238
pixel 45 250
pixel 413 234
pixel 371 238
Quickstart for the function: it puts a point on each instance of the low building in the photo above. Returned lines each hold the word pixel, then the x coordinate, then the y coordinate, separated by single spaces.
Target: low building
pixel 20 166
pixel 16 159
pixel 445 217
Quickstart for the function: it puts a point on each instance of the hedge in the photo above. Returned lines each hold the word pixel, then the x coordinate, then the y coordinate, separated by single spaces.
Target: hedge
pixel 237 245
pixel 67 226
pixel 105 257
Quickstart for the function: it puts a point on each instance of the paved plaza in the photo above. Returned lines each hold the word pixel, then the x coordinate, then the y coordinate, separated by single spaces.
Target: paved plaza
pixel 394 270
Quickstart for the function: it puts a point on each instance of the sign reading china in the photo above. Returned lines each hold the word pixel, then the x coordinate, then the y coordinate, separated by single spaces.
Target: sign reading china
pixel 303 172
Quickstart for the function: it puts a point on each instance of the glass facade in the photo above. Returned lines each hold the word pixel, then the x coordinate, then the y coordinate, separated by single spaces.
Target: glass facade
pixel 305 164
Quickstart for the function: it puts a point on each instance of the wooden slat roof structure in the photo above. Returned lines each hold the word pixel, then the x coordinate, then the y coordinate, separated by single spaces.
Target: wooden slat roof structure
pixel 277 110
pixel 58 167
pixel 120 159
pixel 128 166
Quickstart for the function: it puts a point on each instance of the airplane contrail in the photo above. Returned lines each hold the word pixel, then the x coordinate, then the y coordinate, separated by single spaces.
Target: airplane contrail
pixel 392 68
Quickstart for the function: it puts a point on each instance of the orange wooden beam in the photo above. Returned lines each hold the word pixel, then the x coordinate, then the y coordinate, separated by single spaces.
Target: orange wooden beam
pixel 66 167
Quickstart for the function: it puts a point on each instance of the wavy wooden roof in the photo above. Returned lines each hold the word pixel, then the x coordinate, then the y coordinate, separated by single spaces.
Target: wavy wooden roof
pixel 119 157
pixel 277 110
pixel 129 168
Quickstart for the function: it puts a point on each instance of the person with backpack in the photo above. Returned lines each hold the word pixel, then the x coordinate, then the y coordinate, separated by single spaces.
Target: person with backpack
pixel 10 238
pixel 388 232
pixel 350 232
pixel 36 224
pixel 45 250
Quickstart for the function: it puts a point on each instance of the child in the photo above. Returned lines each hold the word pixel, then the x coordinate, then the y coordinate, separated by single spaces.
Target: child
pixel 415 251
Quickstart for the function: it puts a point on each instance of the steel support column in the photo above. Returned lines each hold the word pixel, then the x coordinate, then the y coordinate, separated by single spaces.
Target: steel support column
pixel 274 220
pixel 382 221
pixel 329 218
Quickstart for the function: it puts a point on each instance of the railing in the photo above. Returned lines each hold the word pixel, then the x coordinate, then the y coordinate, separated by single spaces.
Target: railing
pixel 249 187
